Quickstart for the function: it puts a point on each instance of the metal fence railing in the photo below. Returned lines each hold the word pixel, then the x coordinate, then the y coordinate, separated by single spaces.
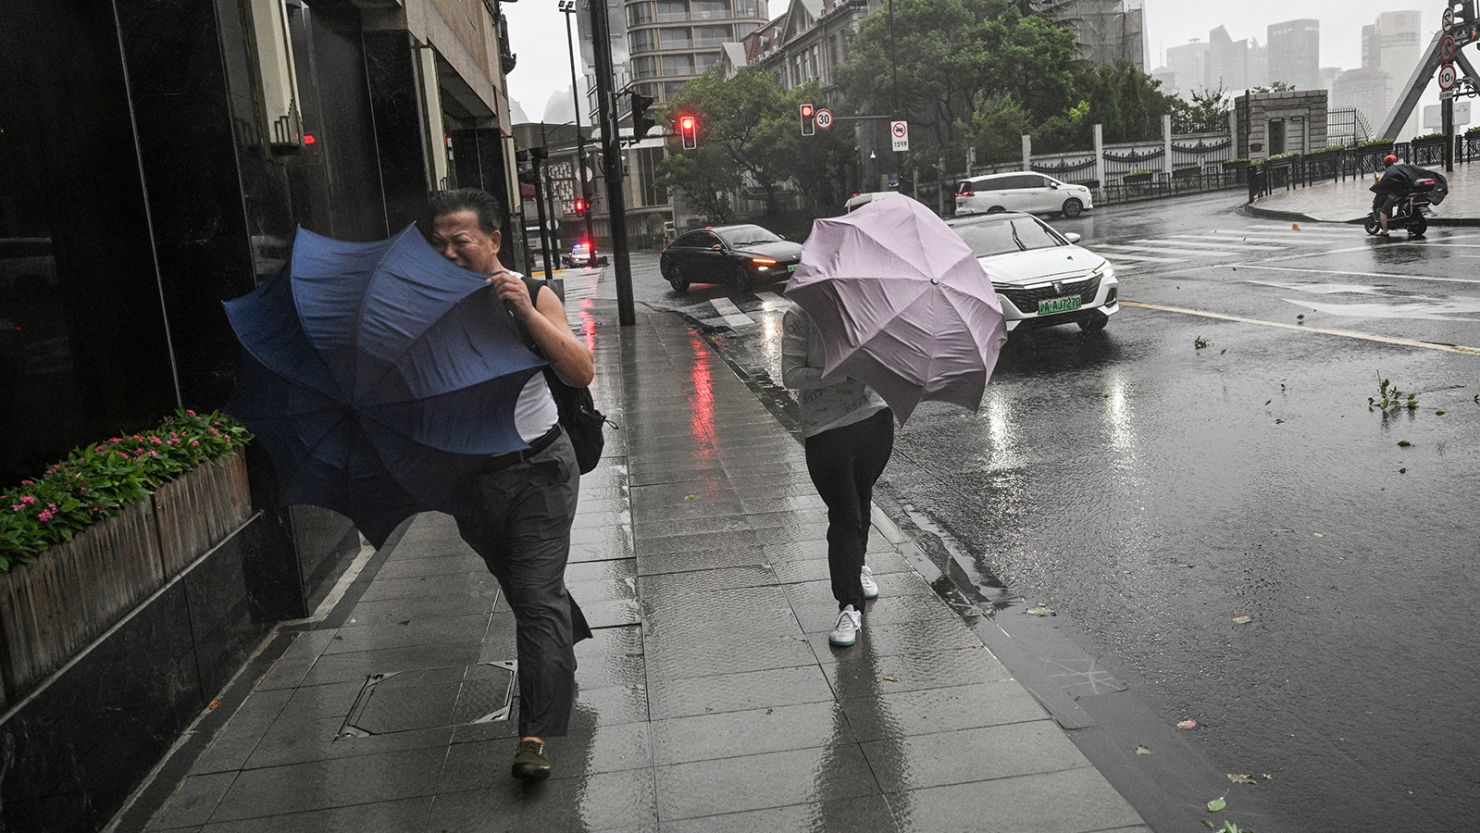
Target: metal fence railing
pixel 1295 171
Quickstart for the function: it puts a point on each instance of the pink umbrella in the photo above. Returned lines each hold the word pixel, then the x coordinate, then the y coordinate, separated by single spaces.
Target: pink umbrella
pixel 902 305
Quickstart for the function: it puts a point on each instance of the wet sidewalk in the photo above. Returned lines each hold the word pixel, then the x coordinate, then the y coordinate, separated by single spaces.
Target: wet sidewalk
pixel 709 699
pixel 1349 201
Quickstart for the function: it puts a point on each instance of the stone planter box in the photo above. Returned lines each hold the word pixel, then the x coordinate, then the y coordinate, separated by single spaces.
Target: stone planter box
pixel 75 591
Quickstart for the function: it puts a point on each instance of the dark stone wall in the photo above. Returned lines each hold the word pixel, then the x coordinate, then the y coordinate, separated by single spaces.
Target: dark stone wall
pixel 400 136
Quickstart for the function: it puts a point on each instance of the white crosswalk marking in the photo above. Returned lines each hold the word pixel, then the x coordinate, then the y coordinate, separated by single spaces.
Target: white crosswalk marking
pixel 772 300
pixel 1304 230
pixel 730 313
pixel 1267 238
pixel 1119 258
pixel 1208 242
pixel 1167 248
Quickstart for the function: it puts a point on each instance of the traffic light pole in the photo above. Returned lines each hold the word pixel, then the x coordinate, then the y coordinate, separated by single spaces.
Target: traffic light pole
pixel 585 193
pixel 611 152
pixel 536 156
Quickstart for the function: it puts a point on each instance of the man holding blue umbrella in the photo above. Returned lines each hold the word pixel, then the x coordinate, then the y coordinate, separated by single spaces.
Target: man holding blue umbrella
pixel 526 500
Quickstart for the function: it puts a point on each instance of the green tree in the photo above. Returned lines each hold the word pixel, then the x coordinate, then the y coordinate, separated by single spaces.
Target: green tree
pixel 820 165
pixel 706 177
pixel 1207 112
pixel 953 55
pixel 742 135
pixel 997 128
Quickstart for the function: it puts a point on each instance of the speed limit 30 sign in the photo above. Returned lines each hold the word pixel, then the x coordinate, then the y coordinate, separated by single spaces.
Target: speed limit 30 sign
pixel 823 119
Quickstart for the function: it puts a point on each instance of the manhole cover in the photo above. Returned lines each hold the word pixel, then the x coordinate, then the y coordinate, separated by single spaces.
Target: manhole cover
pixel 455 695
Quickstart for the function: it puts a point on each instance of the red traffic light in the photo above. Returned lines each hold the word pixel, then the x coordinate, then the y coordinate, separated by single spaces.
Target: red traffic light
pixel 807 110
pixel 809 120
pixel 581 206
pixel 688 131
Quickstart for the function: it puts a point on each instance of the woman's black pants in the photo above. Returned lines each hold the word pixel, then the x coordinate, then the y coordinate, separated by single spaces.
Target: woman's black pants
pixel 844 464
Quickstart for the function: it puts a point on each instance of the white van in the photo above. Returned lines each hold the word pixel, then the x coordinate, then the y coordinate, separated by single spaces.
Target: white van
pixel 860 200
pixel 1027 192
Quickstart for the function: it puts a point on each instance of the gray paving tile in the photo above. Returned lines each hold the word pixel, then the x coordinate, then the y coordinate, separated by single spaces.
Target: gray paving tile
pixel 729 734
pixel 614 536
pixel 620 570
pixel 941 710
pixel 299 740
pixel 723 578
pixel 612 614
pixel 334 783
pixel 449 630
pixel 703 559
pixel 339 668
pixel 616 548
pixel 866 814
pixel 678 697
pixel 818 594
pixel 319 701
pixel 880 641
pixel 966 755
pixel 1075 801
pixel 193 801
pixel 609 801
pixel 613 657
pixel 805 550
pixel 659 601
pixel 936 669
pixel 779 779
pixel 461 584
pixel 393 611
pixel 785 527
pixel 649 530
pixel 601 520
pixel 684 656
pixel 697 542
pixel 684 510
pixel 235 741
pixel 443 565
pixel 381 817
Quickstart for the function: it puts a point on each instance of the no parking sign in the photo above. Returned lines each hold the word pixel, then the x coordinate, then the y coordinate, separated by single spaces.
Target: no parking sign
pixel 899 132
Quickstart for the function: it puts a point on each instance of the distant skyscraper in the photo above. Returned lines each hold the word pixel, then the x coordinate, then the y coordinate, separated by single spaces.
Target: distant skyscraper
pixel 1258 64
pixel 1366 91
pixel 1228 61
pixel 1295 53
pixel 1397 43
pixel 1188 63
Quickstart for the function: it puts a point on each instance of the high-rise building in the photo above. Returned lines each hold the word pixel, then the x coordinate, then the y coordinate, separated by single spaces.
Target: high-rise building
pixel 1258 64
pixel 1295 53
pixel 1188 63
pixel 1108 30
pixel 1397 43
pixel 672 42
pixel 1228 61
pixel 1364 90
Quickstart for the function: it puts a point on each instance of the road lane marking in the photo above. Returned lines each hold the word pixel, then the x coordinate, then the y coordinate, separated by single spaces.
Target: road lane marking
pixel 1127 257
pixel 1302 230
pixel 731 313
pixel 772 300
pixel 1266 240
pixel 1208 242
pixel 1163 249
pixel 1306 328
pixel 1260 265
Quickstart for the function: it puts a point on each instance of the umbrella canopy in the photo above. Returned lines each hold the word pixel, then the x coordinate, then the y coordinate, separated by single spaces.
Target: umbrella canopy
pixel 378 377
pixel 902 305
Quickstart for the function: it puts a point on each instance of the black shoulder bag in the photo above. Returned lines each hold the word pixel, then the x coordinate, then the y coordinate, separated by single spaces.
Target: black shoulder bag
pixel 578 415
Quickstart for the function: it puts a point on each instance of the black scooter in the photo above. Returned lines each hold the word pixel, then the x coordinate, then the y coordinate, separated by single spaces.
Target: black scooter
pixel 1409 211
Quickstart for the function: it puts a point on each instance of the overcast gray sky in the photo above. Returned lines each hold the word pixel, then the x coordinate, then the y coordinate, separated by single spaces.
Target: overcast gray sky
pixel 1173 22
pixel 537 33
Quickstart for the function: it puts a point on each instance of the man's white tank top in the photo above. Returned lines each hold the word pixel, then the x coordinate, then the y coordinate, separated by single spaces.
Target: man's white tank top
pixel 535 411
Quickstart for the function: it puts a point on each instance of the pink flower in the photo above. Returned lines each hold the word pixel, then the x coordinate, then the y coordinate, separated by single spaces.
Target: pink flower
pixel 17 507
pixel 156 441
pixel 45 516
pixel 189 412
pixel 123 454
pixel 215 433
pixel 154 454
pixel 28 500
pixel 195 442
pixel 28 483
pixel 115 440
pixel 100 449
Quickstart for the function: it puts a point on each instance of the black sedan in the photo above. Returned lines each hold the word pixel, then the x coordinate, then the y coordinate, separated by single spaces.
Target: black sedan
pixel 740 255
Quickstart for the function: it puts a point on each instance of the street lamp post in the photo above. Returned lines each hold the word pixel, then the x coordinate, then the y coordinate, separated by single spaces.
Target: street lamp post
pixel 568 8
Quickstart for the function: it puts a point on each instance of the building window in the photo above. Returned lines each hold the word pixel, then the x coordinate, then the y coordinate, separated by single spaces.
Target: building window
pixel 647 168
pixel 711 35
pixel 709 9
pixel 677 38
pixel 674 65
pixel 704 60
pixel 671 88
pixel 645 67
pixel 747 8
pixel 638 13
pixel 672 10
pixel 645 40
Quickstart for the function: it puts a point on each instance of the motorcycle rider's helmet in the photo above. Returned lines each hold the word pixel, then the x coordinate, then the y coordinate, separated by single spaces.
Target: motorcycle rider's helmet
pixel 1390 160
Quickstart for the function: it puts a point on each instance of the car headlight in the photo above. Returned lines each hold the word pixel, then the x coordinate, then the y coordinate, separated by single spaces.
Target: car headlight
pixel 1104 270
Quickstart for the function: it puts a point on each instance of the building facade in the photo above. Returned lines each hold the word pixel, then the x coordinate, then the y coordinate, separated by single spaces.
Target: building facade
pixel 1295 53
pixel 1109 31
pixel 1188 64
pixel 1396 42
pixel 672 42
pixel 1271 124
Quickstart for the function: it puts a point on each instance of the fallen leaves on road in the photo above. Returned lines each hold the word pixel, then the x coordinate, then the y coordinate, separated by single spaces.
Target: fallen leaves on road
pixel 1404 444
pixel 1295 226
pixel 1242 619
pixel 690 498
pixel 215 704
pixel 890 678
pixel 1041 610
pixel 1187 724
pixel 1143 749
pixel 1217 805
pixel 1240 778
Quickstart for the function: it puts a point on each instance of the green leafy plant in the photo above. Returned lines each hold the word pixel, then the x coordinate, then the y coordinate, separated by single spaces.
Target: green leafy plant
pixel 100 480
pixel 1228 827
pixel 1390 398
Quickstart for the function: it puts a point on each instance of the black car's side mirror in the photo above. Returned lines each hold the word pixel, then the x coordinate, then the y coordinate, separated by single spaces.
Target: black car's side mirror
pixel 716 248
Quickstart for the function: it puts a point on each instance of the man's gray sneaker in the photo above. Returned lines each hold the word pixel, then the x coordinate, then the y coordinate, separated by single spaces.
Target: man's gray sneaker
pixel 845 630
pixel 870 587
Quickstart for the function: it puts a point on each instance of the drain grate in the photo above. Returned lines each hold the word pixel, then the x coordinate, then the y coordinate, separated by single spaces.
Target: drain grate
pixel 432 698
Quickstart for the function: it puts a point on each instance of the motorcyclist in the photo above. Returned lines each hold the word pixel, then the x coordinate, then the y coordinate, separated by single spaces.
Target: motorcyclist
pixel 1388 184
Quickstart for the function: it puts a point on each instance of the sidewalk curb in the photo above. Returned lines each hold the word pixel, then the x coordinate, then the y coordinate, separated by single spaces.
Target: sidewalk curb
pixel 1253 210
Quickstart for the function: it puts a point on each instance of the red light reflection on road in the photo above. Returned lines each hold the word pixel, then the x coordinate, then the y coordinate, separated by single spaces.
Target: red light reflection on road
pixel 701 423
pixel 588 324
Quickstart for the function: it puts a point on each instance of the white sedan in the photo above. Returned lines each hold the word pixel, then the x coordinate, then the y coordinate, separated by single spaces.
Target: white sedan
pixel 1042 277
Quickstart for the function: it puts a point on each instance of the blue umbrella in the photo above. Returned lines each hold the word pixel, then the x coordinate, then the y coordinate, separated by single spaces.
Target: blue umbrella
pixel 378 377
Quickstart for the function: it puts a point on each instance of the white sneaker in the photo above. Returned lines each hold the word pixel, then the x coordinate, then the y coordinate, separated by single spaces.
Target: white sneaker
pixel 845 630
pixel 870 587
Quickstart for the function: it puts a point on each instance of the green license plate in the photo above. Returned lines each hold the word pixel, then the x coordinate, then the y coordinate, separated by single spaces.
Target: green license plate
pixel 791 267
pixel 1053 305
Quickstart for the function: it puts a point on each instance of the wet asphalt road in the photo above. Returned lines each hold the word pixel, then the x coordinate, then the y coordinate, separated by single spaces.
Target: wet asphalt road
pixel 1150 492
